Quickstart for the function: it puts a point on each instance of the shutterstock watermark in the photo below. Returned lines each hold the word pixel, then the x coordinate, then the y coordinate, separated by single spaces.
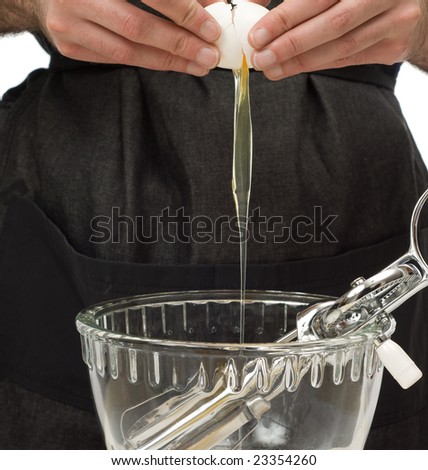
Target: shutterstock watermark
pixel 175 226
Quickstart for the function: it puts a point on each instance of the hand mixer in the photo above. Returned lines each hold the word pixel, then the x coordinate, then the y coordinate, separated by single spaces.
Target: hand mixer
pixel 200 420
pixel 371 298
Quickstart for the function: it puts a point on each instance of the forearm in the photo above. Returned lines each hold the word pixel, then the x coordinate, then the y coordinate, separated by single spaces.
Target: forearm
pixel 18 15
pixel 420 56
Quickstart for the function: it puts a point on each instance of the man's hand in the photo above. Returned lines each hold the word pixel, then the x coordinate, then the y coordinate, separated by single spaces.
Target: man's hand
pixel 114 31
pixel 303 36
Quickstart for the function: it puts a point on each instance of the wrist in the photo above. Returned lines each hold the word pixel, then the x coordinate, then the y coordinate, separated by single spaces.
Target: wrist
pixel 21 15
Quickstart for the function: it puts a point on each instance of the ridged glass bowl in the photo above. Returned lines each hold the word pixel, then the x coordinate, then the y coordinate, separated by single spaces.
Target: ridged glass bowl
pixel 167 372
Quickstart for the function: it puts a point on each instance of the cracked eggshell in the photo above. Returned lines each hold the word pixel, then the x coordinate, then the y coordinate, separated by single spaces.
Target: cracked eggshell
pixel 235 26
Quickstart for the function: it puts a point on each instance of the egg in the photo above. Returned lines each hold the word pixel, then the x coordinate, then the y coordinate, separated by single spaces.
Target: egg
pixel 236 22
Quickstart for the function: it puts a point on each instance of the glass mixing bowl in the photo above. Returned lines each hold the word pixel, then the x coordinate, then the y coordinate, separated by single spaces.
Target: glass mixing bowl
pixel 167 372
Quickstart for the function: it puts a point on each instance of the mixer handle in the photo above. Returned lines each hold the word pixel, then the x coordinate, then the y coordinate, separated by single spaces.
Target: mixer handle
pixel 394 284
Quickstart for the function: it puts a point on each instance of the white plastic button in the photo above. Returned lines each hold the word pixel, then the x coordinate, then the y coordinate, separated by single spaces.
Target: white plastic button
pixel 398 363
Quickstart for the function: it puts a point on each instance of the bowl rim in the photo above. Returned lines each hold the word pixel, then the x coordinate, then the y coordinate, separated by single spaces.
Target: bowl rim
pixel 86 325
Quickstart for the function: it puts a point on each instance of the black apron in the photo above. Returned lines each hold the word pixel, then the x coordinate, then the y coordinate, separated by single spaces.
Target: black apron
pixel 89 154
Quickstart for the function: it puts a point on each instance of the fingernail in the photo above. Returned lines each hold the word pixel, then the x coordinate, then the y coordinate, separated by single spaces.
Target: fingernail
pixel 264 59
pixel 260 37
pixel 197 70
pixel 210 31
pixel 275 72
pixel 207 57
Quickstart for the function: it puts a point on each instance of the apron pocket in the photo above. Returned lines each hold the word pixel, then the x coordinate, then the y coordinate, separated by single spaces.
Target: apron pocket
pixel 44 283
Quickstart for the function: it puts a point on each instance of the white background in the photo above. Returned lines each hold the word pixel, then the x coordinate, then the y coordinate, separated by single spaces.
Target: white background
pixel 21 54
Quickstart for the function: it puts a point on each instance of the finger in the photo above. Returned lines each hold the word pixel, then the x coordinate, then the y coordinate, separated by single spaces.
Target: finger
pixel 284 18
pixel 205 3
pixel 142 27
pixel 329 25
pixel 372 55
pixel 385 27
pixel 348 45
pixel 190 15
pixel 384 52
pixel 97 44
